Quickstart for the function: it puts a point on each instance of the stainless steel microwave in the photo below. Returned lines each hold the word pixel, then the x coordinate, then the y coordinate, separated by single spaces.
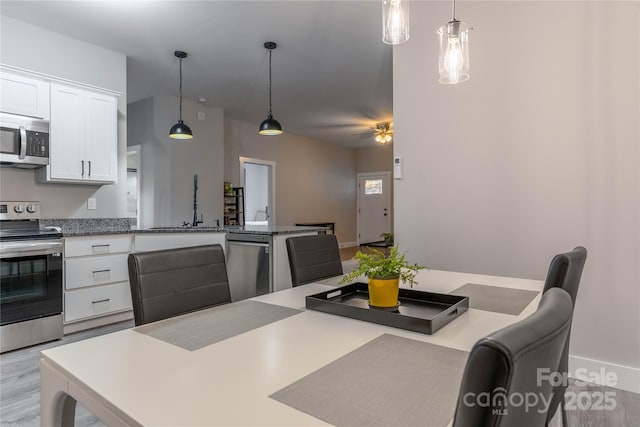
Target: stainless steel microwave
pixel 24 141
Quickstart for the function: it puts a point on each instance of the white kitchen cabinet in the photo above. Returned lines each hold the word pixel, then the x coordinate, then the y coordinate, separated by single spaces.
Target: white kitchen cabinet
pixel 97 301
pixel 156 241
pixel 83 137
pixel 24 95
pixel 96 276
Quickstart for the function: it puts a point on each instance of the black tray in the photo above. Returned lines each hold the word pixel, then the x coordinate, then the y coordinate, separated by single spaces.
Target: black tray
pixel 418 311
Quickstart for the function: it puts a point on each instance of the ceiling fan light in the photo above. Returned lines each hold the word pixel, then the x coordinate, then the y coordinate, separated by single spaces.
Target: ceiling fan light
pixel 270 126
pixel 180 131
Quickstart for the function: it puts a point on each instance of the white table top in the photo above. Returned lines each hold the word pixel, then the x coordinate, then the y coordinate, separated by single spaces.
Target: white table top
pixel 150 382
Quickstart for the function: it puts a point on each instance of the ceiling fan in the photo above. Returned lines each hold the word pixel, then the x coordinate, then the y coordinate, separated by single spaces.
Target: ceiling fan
pixel 382 132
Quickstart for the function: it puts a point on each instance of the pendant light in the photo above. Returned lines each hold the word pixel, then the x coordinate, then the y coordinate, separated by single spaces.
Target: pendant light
pixel 270 126
pixel 453 59
pixel 395 21
pixel 180 130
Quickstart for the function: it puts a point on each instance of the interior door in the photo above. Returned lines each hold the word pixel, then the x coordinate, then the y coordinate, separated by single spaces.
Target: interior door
pixel 374 215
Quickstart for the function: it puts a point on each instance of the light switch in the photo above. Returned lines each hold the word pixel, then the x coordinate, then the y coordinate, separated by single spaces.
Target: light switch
pixel 91 204
pixel 201 115
pixel 397 168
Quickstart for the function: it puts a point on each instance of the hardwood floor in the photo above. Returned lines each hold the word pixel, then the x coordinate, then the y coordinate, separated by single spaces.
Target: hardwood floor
pixel 347 253
pixel 20 381
pixel 20 390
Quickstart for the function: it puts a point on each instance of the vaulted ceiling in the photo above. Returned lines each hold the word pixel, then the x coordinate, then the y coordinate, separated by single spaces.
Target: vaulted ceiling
pixel 332 75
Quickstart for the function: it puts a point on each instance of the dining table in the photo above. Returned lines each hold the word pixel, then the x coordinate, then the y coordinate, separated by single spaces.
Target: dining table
pixel 270 361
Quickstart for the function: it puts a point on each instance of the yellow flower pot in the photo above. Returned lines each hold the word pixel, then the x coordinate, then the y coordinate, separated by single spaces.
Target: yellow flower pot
pixel 383 292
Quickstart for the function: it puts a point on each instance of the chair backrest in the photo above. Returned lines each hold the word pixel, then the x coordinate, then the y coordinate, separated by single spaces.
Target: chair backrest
pixel 313 258
pixel 510 367
pixel 565 272
pixel 176 281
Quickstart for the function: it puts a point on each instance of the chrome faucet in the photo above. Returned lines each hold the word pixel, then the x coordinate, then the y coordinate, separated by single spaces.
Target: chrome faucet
pixel 196 221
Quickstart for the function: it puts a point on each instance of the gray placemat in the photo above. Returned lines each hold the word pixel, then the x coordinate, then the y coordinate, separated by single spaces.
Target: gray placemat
pixel 390 381
pixel 496 298
pixel 201 328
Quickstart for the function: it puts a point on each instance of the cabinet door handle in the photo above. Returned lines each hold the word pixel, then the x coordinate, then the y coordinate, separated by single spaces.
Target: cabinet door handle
pixel 100 248
pixel 82 161
pixel 101 300
pixel 101 271
pixel 89 167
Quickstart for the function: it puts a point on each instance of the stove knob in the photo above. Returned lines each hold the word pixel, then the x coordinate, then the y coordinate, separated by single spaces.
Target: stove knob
pixel 18 208
pixel 32 208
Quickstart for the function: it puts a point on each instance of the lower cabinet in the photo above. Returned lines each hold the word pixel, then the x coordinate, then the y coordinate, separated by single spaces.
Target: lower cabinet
pixel 96 289
pixel 97 301
pixel 96 277
pixel 157 241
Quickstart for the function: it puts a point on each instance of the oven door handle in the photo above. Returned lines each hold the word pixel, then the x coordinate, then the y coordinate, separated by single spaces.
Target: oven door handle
pixel 11 250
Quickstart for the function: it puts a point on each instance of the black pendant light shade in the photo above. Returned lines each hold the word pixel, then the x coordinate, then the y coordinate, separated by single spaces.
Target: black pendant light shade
pixel 270 126
pixel 180 130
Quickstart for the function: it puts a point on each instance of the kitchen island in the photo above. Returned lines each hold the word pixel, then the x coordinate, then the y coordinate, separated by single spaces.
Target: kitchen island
pixel 96 279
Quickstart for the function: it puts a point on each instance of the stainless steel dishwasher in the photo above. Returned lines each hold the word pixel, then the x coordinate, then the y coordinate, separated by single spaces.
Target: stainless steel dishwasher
pixel 248 265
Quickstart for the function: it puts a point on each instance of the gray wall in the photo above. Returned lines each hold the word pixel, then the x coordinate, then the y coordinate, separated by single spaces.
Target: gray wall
pixel 168 165
pixel 537 153
pixel 32 48
pixel 315 181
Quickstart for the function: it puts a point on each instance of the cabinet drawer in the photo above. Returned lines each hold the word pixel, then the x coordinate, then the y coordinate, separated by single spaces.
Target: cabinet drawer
pixel 97 301
pixel 97 270
pixel 96 245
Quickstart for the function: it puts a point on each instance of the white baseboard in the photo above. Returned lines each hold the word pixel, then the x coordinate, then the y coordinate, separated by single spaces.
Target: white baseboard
pixel 628 378
pixel 348 244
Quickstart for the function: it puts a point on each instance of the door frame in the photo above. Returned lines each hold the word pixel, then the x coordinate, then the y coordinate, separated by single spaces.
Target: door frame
pixel 364 175
pixel 137 149
pixel 272 179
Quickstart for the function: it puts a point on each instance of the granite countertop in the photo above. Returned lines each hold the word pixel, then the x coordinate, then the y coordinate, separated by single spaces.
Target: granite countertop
pixel 105 226
pixel 274 230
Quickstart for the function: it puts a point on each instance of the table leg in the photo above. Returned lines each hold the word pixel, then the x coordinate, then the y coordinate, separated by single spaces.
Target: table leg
pixel 57 408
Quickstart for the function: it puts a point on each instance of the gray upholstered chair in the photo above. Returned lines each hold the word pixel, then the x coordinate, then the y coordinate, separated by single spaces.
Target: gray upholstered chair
pixel 176 281
pixel 565 272
pixel 513 363
pixel 312 258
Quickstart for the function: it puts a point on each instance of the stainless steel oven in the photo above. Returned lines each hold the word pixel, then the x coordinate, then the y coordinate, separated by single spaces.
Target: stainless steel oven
pixel 31 278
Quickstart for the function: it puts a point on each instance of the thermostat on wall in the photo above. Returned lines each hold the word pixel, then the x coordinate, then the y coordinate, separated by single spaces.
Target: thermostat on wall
pixel 397 168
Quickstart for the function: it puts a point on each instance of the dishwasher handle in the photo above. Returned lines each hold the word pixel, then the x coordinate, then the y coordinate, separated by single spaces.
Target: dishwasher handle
pixel 242 238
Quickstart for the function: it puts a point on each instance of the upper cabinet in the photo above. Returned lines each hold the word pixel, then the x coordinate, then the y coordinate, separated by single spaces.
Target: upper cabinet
pixel 83 136
pixel 26 96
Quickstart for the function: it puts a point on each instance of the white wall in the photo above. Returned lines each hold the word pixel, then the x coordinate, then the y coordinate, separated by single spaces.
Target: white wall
pixel 315 181
pixel 32 48
pixel 168 165
pixel 537 153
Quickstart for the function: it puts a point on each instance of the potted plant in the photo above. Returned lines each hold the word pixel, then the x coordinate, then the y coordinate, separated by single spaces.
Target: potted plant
pixel 385 272
pixel 388 238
